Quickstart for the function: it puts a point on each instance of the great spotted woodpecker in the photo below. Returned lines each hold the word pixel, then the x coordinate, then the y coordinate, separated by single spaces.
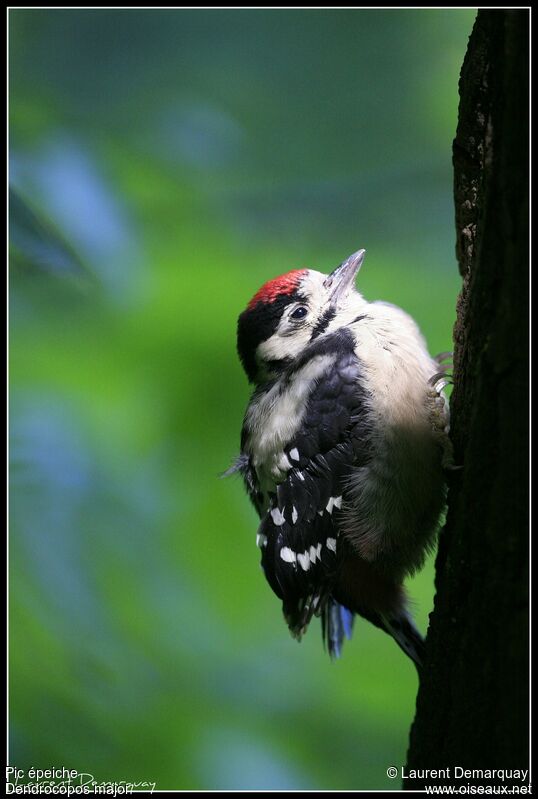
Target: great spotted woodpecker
pixel 343 450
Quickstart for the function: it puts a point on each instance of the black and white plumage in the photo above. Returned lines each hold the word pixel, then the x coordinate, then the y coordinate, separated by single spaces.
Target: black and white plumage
pixel 342 451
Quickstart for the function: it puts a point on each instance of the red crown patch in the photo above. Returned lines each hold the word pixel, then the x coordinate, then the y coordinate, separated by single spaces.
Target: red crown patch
pixel 284 284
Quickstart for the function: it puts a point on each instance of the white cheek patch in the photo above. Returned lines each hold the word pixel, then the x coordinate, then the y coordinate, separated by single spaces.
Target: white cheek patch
pixel 281 346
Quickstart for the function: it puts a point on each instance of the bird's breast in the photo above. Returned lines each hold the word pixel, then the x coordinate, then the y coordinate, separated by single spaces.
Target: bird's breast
pixel 275 416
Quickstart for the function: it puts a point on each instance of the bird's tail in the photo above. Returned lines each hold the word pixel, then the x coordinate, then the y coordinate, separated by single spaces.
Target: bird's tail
pixel 336 620
pixel 336 625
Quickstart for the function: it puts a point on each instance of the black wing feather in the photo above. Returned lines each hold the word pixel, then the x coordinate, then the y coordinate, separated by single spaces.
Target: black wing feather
pixel 300 555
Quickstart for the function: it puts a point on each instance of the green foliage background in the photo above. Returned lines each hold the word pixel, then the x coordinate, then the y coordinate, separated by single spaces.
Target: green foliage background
pixel 164 165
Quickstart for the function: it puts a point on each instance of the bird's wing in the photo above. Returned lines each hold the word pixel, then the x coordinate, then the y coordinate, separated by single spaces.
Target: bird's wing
pixel 243 465
pixel 299 532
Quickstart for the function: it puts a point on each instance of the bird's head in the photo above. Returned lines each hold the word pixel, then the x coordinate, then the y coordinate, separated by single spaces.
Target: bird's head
pixel 289 312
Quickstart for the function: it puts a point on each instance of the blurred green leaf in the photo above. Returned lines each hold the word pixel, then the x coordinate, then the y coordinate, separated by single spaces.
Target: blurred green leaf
pixel 38 248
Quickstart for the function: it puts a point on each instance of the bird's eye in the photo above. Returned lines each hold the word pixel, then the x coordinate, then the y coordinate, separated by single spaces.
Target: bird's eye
pixel 299 312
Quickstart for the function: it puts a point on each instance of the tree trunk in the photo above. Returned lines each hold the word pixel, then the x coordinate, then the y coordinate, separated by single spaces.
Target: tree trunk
pixel 472 705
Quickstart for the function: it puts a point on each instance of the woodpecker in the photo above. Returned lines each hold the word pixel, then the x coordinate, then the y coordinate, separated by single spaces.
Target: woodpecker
pixel 343 450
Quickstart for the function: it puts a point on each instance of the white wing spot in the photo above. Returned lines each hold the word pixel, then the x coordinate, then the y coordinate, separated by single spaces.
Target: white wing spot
pixel 300 475
pixel 294 454
pixel 330 543
pixel 334 502
pixel 294 515
pixel 261 540
pixel 278 517
pixel 304 560
pixel 288 555
pixel 315 552
pixel 320 513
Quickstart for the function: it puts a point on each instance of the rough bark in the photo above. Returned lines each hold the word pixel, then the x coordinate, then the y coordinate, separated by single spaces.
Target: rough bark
pixel 472 705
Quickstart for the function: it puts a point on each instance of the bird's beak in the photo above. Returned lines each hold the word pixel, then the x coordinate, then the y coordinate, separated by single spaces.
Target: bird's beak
pixel 341 280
